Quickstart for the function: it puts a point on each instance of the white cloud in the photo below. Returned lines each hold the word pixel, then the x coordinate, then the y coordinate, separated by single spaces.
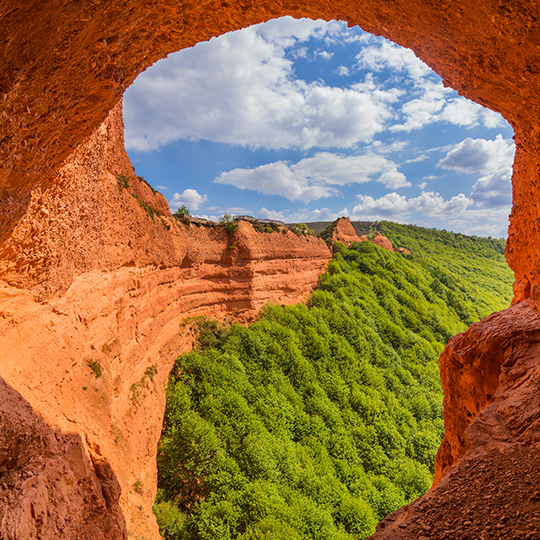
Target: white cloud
pixel 162 188
pixel 493 190
pixel 417 159
pixel 324 54
pixel 482 221
pixel 343 71
pixel 241 89
pixel 461 112
pixel 480 156
pixel 270 214
pixel 190 198
pixel 389 55
pixel 458 213
pixel 425 109
pixel 317 214
pixel 395 206
pixel 313 178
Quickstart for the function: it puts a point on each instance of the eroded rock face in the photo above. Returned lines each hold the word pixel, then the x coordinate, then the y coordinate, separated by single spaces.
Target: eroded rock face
pixel 344 232
pixel 89 275
pixel 97 280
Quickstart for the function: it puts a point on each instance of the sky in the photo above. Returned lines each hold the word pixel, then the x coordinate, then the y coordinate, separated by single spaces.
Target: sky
pixel 303 120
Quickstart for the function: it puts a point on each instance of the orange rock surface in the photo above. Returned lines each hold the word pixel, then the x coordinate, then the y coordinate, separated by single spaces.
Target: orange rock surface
pixel 89 276
pixel 382 241
pixel 344 232
pixel 94 279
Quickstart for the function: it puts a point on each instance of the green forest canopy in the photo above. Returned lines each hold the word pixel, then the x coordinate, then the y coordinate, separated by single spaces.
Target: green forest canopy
pixel 317 421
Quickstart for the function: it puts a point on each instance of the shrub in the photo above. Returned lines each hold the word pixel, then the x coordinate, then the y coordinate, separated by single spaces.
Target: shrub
pixel 138 487
pixel 122 181
pixel 228 223
pixel 95 366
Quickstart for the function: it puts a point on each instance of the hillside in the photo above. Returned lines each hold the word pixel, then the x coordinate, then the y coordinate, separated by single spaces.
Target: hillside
pixel 317 421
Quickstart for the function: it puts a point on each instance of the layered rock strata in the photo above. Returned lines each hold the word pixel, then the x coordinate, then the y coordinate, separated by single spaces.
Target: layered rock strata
pixel 95 294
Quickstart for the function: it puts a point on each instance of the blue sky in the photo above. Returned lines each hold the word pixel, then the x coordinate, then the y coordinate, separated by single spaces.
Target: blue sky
pixel 306 120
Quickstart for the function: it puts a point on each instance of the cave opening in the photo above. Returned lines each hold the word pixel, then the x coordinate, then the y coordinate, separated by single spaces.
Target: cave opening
pixel 100 47
pixel 247 124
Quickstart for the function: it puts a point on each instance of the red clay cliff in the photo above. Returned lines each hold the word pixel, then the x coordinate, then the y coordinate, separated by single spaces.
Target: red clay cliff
pixel 101 277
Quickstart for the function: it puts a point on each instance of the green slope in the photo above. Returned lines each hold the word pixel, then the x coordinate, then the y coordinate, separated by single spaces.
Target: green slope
pixel 475 265
pixel 317 421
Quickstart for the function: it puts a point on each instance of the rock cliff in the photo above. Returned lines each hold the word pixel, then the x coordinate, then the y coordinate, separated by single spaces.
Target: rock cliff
pixel 94 294
pixel 91 279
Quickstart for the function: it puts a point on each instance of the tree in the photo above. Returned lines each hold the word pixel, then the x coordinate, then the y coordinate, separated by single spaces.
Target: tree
pixel 182 211
pixel 228 223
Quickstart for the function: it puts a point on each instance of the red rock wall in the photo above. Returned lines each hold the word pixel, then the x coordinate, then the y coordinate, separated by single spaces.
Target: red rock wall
pixel 88 274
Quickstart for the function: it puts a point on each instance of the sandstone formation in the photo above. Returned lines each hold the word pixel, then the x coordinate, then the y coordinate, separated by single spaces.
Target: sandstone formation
pixel 382 241
pixel 89 276
pixel 99 279
pixel 344 232
pixel 403 250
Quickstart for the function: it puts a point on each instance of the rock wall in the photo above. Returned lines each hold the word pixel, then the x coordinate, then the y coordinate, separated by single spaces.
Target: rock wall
pixel 97 282
pixel 490 450
pixel 89 276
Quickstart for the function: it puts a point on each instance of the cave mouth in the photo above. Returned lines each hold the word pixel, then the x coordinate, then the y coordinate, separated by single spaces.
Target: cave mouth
pixel 304 120
pixel 469 148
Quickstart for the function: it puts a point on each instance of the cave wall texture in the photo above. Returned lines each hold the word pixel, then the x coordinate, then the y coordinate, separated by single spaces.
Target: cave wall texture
pixel 87 275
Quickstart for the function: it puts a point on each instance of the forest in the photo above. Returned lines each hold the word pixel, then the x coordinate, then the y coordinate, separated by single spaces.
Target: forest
pixel 318 420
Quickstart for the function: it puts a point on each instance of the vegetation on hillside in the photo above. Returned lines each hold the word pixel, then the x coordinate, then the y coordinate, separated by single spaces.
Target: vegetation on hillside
pixel 473 264
pixel 317 421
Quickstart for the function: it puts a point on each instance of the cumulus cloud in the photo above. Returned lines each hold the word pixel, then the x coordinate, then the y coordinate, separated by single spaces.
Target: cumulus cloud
pixel 241 89
pixel 431 101
pixel 482 221
pixel 493 190
pixel 314 178
pixel 395 206
pixel 480 156
pixel 459 213
pixel 386 55
pixel 190 198
pixel 317 214
pixel 270 214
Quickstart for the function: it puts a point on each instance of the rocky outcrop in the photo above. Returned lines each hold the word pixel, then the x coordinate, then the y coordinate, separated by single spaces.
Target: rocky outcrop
pixel 343 231
pixel 98 279
pixel 491 376
pixel 382 241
